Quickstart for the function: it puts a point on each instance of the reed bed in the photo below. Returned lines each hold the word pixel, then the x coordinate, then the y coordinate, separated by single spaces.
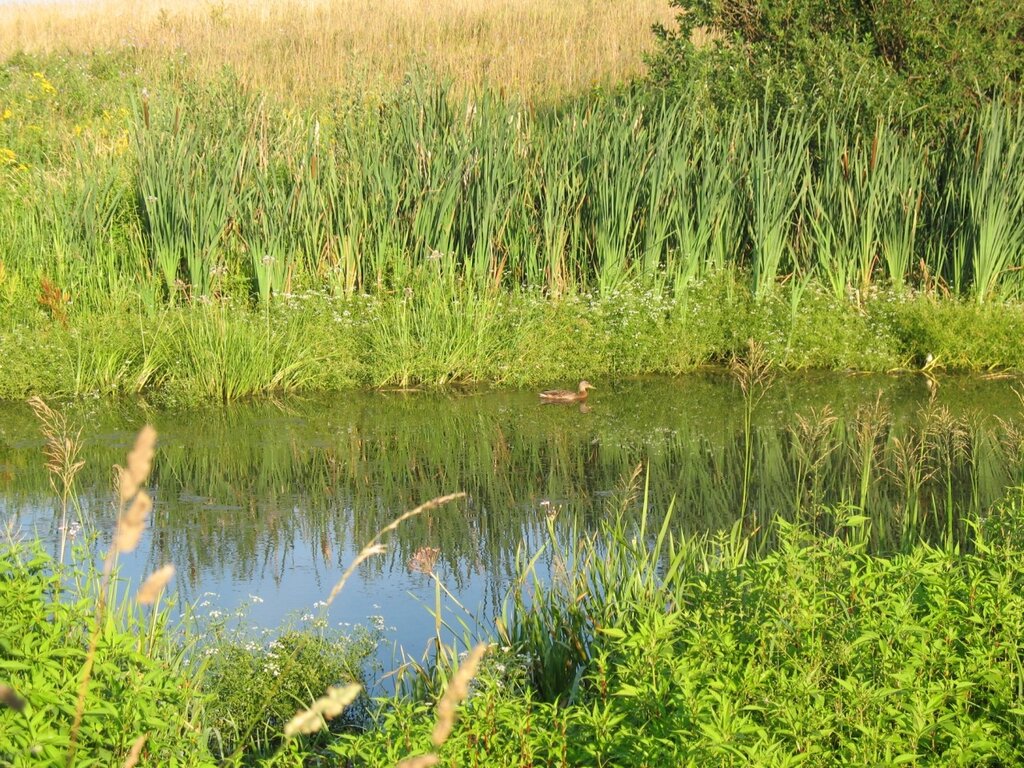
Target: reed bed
pixel 214 192
pixel 501 196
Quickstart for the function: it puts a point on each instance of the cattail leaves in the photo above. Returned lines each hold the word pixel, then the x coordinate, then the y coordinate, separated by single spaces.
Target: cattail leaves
pixel 487 193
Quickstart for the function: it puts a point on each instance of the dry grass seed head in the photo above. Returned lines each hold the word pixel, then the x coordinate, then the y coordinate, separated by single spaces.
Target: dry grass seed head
pixel 9 698
pixel 330 705
pixel 131 523
pixel 376 548
pixel 62 442
pixel 139 464
pixel 753 373
pixel 364 554
pixel 420 761
pixel 812 434
pixel 457 691
pixel 154 585
pixel 135 752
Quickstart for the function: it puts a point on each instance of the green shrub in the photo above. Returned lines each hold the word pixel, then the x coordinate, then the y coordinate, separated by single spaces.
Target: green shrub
pixel 662 651
pixel 933 58
pixel 254 688
pixel 138 684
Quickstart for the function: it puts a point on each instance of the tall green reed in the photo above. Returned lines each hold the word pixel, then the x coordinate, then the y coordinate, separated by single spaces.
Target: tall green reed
pixel 991 196
pixel 190 181
pixel 584 197
pixel 776 160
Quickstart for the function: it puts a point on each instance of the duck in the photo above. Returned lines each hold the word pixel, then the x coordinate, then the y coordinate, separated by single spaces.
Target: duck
pixel 567 395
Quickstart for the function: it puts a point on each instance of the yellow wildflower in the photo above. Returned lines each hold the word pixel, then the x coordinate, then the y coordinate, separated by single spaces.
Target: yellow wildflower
pixel 6 156
pixel 6 115
pixel 44 85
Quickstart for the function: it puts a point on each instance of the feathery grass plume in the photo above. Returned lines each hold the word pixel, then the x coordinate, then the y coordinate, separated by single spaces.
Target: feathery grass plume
pixel 376 548
pixel 131 523
pixel 62 446
pixel 9 698
pixel 326 707
pixel 337 699
pixel 154 585
pixel 135 752
pixel 130 478
pixel 139 464
pixel 129 530
pixel 62 443
pixel 364 554
pixel 457 691
pixel 754 374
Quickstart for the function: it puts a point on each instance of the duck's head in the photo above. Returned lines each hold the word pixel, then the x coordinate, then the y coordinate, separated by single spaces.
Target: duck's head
pixel 585 385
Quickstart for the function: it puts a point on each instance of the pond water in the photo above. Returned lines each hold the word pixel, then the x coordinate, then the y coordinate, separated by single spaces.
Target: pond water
pixel 265 504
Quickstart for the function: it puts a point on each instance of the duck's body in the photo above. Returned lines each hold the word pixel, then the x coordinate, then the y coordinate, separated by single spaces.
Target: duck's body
pixel 567 395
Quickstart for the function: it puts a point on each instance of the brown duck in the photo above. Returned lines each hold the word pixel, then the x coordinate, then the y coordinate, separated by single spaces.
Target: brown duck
pixel 567 395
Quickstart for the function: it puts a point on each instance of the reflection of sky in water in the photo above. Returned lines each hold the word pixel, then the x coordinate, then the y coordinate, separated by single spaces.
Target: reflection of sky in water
pixel 291 581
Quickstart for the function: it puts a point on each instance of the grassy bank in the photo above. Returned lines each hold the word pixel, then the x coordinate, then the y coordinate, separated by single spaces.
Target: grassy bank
pixel 644 648
pixel 225 349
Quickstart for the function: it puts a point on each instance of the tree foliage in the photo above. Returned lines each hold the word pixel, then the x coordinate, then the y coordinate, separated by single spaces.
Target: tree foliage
pixel 933 60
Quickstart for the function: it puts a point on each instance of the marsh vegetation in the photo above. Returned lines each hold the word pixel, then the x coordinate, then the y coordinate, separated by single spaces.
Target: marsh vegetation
pixel 236 211
pixel 175 226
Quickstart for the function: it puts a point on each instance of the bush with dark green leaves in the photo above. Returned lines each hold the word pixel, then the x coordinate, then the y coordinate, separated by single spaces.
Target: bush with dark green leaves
pixel 932 60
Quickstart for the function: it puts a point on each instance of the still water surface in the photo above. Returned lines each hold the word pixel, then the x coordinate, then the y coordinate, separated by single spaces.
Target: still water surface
pixel 265 504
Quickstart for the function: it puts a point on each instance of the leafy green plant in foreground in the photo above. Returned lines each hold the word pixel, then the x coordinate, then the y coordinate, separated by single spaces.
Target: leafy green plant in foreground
pixel 137 684
pixel 696 651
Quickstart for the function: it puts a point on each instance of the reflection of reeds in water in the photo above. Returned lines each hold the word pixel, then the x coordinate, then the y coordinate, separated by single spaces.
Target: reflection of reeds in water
pixel 251 488
pixel 754 375
pixel 811 446
pixel 134 504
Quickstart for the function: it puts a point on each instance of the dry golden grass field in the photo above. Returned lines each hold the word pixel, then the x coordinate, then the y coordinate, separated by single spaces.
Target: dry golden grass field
pixel 542 49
